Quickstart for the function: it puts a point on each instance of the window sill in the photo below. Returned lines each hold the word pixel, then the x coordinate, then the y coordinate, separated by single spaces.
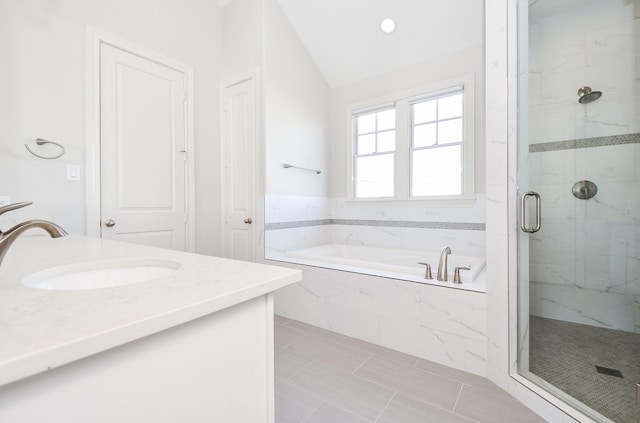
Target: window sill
pixel 444 201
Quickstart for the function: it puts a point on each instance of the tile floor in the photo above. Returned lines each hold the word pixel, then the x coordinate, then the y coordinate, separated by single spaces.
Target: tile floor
pixel 566 355
pixel 322 376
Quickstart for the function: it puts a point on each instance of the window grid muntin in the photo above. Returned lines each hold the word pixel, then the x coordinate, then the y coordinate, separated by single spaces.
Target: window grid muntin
pixel 437 145
pixel 357 134
pixel 377 152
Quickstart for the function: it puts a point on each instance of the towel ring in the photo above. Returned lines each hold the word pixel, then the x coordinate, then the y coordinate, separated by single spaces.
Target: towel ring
pixel 41 141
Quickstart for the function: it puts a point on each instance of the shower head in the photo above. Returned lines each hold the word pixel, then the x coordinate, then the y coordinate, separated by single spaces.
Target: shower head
pixel 585 95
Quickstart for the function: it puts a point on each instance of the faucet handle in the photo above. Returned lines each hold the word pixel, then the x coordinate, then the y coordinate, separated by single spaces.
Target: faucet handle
pixel 427 274
pixel 14 206
pixel 456 274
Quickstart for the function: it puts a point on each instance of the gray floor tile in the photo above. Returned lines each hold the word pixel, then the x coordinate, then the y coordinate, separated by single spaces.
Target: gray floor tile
pixel 381 351
pixel 288 363
pixel 493 406
pixel 340 356
pixel 285 335
pixel 404 409
pixel 316 330
pixel 354 394
pixel 281 320
pixel 293 404
pixel 329 413
pixel 459 375
pixel 417 383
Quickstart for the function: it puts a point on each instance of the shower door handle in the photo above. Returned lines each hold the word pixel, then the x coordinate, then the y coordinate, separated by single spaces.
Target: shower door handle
pixel 523 212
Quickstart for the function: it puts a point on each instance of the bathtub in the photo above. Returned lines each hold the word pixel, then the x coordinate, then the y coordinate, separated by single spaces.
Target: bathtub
pixel 392 263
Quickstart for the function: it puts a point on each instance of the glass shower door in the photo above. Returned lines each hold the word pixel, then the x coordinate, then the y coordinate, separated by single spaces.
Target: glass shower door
pixel 579 150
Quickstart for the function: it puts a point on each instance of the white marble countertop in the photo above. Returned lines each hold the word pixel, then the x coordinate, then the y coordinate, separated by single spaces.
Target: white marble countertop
pixel 43 329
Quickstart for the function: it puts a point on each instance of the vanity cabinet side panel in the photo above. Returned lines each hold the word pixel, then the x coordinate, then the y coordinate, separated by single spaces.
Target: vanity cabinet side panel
pixel 216 368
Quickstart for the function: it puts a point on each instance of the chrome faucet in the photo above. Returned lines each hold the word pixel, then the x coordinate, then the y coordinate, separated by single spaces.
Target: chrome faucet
pixel 442 265
pixel 9 236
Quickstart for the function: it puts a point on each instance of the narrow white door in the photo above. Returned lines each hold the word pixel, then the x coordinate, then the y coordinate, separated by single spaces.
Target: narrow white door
pixel 142 146
pixel 239 141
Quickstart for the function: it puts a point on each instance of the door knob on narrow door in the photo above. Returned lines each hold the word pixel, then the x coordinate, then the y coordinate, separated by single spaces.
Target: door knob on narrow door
pixel 109 223
pixel 248 221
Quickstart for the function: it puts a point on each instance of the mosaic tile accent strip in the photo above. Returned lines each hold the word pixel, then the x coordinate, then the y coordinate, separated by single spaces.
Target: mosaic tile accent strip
pixel 296 224
pixel 462 226
pixel 585 143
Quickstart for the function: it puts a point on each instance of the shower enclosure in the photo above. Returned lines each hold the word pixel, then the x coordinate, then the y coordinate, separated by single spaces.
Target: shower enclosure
pixel 579 182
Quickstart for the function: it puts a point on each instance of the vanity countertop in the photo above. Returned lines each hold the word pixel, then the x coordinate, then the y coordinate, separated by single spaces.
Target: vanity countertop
pixel 43 329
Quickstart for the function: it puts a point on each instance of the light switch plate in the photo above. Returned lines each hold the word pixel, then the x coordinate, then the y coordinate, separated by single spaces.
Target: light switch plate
pixel 5 201
pixel 73 172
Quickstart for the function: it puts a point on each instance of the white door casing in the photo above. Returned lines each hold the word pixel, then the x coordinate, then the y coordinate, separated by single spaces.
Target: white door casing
pixel 239 169
pixel 139 145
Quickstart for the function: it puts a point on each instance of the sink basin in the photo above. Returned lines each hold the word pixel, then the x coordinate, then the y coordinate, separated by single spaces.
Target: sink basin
pixel 100 274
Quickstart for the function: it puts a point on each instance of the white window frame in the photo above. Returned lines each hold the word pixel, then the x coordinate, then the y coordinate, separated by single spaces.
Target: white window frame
pixel 403 152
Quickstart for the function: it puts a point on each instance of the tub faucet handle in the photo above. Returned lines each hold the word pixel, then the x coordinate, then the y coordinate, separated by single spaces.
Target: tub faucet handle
pixel 427 273
pixel 456 274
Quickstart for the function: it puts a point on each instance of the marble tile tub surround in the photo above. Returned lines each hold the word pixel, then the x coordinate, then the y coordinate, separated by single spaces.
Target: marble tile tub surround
pixel 443 325
pixel 295 222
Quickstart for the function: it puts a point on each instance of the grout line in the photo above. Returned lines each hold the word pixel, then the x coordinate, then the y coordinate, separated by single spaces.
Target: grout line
pixel 361 364
pixel 313 411
pixel 457 399
pixel 296 340
pixel 386 406
pixel 300 369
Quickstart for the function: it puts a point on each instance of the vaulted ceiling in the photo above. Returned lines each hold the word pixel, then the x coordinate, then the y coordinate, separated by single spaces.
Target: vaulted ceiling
pixel 344 37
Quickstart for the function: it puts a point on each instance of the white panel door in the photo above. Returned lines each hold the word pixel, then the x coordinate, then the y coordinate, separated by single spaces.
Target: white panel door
pixel 239 166
pixel 142 143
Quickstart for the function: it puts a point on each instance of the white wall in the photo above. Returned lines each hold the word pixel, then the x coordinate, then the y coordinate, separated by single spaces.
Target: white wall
pixel 296 112
pixel 42 81
pixel 242 37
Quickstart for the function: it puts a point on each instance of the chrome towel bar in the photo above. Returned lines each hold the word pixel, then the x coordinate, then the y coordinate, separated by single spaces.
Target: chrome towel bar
pixel 287 166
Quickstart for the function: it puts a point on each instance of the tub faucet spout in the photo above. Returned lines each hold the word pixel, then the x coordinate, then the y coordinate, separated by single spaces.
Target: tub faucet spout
pixel 442 265
pixel 10 235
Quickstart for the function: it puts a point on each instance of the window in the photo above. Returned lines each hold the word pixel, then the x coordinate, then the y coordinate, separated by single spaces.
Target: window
pixel 436 151
pixel 417 146
pixel 375 152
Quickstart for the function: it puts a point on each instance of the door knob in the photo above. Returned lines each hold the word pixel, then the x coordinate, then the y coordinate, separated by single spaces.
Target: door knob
pixel 110 223
pixel 248 221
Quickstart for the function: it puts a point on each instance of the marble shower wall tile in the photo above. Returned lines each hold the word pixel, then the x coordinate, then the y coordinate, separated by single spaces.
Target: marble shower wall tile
pixel 590 245
pixel 573 304
pixel 593 46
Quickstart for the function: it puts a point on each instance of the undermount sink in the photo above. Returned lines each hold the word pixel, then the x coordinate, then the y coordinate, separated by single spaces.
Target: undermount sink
pixel 100 274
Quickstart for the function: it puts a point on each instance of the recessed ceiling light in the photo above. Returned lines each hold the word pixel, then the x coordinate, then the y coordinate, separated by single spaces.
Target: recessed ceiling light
pixel 388 25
